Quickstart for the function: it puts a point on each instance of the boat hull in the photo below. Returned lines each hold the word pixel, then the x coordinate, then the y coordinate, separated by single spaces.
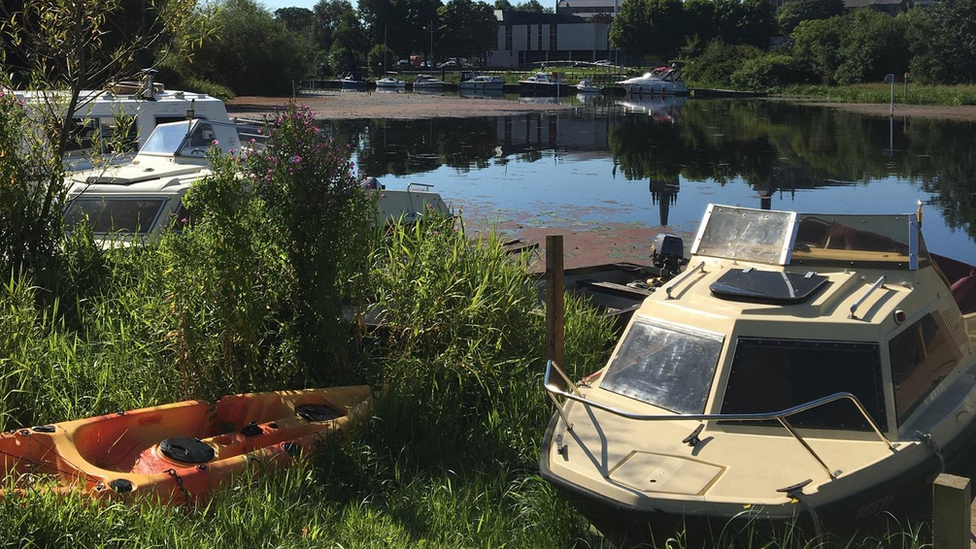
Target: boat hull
pixel 654 89
pixel 481 86
pixel 897 502
pixel 179 452
pixel 545 89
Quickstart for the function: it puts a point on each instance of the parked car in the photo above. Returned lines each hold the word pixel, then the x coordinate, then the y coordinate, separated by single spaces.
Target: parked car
pixel 402 64
pixel 428 64
pixel 604 63
pixel 451 63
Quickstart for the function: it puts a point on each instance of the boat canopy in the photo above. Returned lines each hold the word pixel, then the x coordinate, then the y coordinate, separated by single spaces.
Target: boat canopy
pixel 891 241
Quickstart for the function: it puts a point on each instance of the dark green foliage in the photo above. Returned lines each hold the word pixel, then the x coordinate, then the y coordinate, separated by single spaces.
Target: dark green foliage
pixel 379 58
pixel 349 44
pixel 943 45
pixel 649 27
pixel 817 45
pixel 298 20
pixel 716 64
pixel 252 53
pixel 466 28
pixel 403 25
pixel 791 14
pixel 772 70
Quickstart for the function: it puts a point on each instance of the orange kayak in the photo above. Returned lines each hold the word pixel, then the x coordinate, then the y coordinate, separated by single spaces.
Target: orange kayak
pixel 177 452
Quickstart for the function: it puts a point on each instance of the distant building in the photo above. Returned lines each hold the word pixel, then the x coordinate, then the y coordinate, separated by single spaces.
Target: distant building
pixel 526 38
pixel 588 8
pixel 891 7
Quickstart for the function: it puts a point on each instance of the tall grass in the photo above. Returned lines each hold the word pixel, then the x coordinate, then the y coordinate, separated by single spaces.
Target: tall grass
pixel 918 94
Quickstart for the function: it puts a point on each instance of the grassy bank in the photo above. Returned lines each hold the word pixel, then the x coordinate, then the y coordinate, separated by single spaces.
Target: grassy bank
pixel 918 94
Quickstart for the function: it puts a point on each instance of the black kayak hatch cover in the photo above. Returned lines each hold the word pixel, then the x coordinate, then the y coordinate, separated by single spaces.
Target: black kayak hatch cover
pixel 767 286
pixel 316 412
pixel 187 450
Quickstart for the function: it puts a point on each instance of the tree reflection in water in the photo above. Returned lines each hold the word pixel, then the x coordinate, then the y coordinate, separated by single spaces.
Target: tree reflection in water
pixel 773 147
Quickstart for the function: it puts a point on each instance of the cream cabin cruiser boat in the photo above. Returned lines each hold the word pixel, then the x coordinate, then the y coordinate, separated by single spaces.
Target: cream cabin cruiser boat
pixel 804 365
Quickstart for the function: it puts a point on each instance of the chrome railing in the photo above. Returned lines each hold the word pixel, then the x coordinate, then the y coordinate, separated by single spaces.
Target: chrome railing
pixel 878 284
pixel 780 416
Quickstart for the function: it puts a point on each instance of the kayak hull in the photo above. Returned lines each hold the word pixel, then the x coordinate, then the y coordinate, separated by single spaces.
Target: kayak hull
pixel 150 452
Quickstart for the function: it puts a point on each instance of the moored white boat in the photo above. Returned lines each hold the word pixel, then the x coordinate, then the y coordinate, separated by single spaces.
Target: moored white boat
pixel 660 81
pixel 481 83
pixel 585 86
pixel 816 367
pixel 427 82
pixel 390 82
pixel 544 83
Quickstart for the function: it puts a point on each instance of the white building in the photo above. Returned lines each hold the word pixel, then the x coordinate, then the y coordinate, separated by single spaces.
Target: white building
pixel 526 38
pixel 588 8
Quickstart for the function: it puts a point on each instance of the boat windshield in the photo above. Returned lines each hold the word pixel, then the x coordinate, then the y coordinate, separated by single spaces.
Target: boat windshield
pixel 788 238
pixel 664 365
pixel 166 138
pixel 114 214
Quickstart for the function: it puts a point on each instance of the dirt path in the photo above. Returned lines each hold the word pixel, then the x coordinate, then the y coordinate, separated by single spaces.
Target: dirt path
pixel 350 105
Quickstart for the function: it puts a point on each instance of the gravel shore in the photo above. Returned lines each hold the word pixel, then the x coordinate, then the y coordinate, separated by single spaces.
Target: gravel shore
pixel 351 105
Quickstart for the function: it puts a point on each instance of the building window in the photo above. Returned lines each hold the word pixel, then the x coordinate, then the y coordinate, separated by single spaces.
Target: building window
pixel 553 37
pixel 539 44
pixel 508 37
pixel 921 357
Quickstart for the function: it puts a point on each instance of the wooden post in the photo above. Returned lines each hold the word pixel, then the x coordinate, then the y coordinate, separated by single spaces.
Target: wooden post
pixel 555 308
pixel 951 513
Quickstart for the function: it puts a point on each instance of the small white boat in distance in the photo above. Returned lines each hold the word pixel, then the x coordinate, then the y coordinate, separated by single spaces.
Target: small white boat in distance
pixel 481 83
pixel 585 86
pixel 427 82
pixel 352 82
pixel 390 82
pixel 662 80
pixel 543 83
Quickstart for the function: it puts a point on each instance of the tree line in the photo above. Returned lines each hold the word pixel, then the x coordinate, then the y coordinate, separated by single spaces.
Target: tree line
pixel 728 42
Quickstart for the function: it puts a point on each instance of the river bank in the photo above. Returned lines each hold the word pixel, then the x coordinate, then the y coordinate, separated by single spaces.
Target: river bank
pixel 358 105
pixel 962 113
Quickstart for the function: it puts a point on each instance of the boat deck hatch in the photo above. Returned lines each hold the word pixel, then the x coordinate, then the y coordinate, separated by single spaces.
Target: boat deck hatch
pixel 751 284
pixel 649 472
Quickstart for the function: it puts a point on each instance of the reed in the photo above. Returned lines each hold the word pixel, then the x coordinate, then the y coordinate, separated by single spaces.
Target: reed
pixel 918 94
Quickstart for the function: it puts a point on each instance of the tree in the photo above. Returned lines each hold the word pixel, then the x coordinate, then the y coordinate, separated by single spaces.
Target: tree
pixel 70 46
pixel 349 44
pixel 326 16
pixel 949 53
pixel 872 46
pixel 504 5
pixel 532 6
pixel 296 19
pixel 255 53
pixel 816 45
pixel 467 28
pixel 649 27
pixel 700 20
pixel 793 13
pixel 403 25
pixel 756 23
pixel 378 57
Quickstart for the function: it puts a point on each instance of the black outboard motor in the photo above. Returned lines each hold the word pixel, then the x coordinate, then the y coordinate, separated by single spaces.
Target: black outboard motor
pixel 668 254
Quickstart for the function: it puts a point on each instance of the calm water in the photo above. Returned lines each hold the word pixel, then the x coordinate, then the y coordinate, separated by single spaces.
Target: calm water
pixel 659 163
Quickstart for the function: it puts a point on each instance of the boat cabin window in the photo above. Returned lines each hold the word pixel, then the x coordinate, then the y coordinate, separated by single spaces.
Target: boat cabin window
pixel 854 240
pixel 108 215
pixel 921 357
pixel 667 366
pixel 83 133
pixel 745 234
pixel 199 140
pixel 769 375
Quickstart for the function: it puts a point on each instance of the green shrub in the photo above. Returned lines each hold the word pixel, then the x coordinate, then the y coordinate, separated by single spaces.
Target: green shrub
pixel 772 70
pixel 714 67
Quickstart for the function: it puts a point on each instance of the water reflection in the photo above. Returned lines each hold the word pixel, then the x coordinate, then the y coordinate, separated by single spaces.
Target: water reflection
pixel 600 160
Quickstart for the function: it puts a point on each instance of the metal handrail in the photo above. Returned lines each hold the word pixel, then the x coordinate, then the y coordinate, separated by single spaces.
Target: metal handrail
pixel 681 279
pixel 878 283
pixel 779 416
